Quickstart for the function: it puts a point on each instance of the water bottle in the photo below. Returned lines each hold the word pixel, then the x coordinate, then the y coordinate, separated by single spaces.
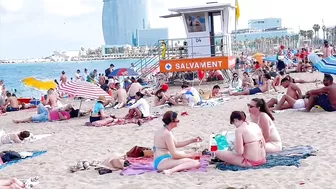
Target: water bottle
pixel 213 145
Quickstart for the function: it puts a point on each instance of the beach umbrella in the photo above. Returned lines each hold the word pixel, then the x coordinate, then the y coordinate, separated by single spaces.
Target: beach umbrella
pixel 258 55
pixel 123 72
pixel 39 84
pixel 326 65
pixel 83 90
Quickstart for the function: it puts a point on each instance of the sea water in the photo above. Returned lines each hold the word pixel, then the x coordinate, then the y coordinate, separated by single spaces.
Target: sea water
pixel 12 74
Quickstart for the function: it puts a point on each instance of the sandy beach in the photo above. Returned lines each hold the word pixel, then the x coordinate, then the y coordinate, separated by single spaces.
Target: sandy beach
pixel 71 141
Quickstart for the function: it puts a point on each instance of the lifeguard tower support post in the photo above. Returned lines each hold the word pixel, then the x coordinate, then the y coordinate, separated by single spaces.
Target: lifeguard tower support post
pixel 202 49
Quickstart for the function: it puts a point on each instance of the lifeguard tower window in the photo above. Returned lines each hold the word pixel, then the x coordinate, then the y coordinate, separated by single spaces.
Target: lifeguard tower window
pixel 196 22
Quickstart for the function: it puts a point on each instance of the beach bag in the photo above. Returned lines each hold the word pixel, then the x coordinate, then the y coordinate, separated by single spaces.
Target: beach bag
pixel 138 151
pixel 205 94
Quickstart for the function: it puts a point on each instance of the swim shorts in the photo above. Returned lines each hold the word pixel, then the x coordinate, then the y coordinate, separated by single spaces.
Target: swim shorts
pixel 255 91
pixel 324 102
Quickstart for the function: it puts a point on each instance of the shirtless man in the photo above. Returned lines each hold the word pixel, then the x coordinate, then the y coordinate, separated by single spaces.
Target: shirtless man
pixel 264 88
pixel 63 78
pixel 293 92
pixel 11 104
pixel 52 99
pixel 324 97
pixel 120 97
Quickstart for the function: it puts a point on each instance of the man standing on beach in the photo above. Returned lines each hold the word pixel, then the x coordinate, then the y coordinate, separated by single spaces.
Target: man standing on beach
pixel 324 97
pixel 109 70
pixel 327 50
pixel 63 78
pixel 293 91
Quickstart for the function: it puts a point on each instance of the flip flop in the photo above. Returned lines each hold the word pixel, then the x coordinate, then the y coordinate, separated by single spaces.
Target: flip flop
pixel 31 182
pixel 184 113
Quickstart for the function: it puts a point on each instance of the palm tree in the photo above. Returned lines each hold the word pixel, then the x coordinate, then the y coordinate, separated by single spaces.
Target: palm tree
pixel 303 33
pixel 328 33
pixel 324 29
pixel 333 35
pixel 316 29
pixel 310 34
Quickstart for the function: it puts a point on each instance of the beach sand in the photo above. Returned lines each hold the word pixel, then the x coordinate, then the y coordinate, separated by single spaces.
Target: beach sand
pixel 71 141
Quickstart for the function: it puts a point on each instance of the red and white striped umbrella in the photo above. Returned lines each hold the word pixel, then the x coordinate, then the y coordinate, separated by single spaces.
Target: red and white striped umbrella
pixel 82 89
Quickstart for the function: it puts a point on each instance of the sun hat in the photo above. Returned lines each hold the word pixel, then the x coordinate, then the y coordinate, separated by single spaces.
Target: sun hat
pixel 101 98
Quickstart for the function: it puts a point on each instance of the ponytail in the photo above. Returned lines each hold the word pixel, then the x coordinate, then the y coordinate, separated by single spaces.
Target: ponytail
pixel 263 107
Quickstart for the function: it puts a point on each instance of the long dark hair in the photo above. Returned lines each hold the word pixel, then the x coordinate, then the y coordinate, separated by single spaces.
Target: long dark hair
pixel 263 107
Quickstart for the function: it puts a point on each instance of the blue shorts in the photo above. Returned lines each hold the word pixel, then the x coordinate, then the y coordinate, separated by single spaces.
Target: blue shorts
pixel 158 160
pixel 324 102
pixel 42 114
pixel 255 91
pixel 11 109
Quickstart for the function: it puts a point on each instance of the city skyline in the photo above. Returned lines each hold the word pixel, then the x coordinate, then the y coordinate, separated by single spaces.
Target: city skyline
pixel 71 24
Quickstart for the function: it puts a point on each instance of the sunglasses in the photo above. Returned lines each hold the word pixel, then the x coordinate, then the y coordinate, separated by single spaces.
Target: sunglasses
pixel 251 106
pixel 235 76
pixel 176 121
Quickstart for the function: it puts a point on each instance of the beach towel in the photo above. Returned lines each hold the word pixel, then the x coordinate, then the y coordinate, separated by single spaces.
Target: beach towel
pixel 287 157
pixel 35 154
pixel 145 165
pixel 33 138
pixel 113 122
pixel 212 102
pixel 286 110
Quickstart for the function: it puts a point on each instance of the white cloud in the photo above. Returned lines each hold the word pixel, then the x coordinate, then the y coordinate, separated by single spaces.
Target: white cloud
pixel 11 5
pixel 67 8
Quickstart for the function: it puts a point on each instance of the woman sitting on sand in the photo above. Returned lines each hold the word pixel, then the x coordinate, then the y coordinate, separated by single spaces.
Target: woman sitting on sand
pixel 261 115
pixel 12 183
pixel 249 143
pixel 247 81
pixel 162 98
pixel 236 83
pixel 44 115
pixel 166 157
pixel 9 138
pixel 98 112
pixel 140 109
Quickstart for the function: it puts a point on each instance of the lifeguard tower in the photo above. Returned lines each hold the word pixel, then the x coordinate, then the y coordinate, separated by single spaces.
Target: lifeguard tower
pixel 201 50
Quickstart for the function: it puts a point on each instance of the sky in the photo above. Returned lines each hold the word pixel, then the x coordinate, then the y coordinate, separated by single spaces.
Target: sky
pixel 35 28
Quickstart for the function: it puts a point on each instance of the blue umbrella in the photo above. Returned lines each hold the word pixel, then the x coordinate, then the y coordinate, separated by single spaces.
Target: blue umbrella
pixel 326 65
pixel 274 59
pixel 123 72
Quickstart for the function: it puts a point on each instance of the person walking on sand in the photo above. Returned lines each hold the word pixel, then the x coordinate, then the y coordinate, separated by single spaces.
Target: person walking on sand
pixel 325 97
pixel 166 157
pixel 63 78
pixel 293 91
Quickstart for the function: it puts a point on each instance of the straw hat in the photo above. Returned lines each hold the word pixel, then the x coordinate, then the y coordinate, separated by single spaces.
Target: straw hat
pixel 101 98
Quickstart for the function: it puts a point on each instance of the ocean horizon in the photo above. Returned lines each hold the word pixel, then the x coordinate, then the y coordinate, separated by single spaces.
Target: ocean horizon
pixel 12 74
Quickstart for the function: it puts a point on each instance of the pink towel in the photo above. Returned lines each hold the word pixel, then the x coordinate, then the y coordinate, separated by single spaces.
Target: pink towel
pixel 145 165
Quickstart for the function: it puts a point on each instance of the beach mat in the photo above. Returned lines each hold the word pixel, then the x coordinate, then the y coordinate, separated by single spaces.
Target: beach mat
pixel 290 110
pixel 145 165
pixel 35 154
pixel 287 157
pixel 212 102
pixel 113 122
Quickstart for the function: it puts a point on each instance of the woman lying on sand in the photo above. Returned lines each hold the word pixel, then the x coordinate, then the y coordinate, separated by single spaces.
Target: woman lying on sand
pixel 298 80
pixel 261 115
pixel 44 115
pixel 249 143
pixel 166 157
pixel 9 138
pixel 12 183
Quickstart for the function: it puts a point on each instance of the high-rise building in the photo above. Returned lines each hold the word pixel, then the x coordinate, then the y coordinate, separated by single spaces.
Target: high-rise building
pixel 152 36
pixel 122 19
pixel 265 23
